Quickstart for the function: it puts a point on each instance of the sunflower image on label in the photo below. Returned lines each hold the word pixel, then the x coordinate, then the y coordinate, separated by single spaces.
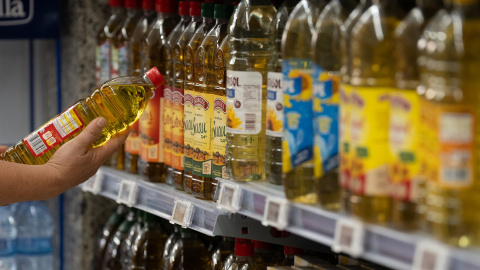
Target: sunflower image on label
pixel 202 127
pixel 167 124
pixel 345 138
pixel 219 137
pixel 150 131
pixel 275 104
pixel 297 144
pixel 244 102
pixel 188 135
pixel 370 110
pixel 326 120
pixel 177 129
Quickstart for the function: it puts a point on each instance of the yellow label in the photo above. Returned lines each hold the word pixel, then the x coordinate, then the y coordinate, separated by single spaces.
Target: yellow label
pixel 167 124
pixel 345 152
pixel 219 137
pixel 188 135
pixel 202 128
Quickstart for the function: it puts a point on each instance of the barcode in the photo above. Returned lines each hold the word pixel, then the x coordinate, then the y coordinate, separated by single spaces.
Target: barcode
pixel 456 174
pixel 37 144
pixel 250 121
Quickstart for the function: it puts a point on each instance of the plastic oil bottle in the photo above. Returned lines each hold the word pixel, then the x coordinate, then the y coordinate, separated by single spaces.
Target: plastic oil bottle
pixel 252 47
pixel 190 94
pixel 345 149
pixel 151 125
pixel 169 244
pixel 179 74
pixel 326 82
pixel 244 256
pixel 169 91
pixel 205 104
pixel 404 128
pixel 189 252
pixel 224 249
pixel 274 121
pixel 120 101
pixel 126 250
pixel 297 144
pixel 372 81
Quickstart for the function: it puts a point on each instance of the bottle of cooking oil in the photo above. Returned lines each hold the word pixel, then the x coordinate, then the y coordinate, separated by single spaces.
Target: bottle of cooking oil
pixel 169 91
pixel 326 82
pixel 151 125
pixel 345 149
pixel 179 74
pixel 120 101
pixel 189 252
pixel 404 128
pixel 289 255
pixel 221 252
pixel 252 47
pixel 274 128
pixel 243 258
pixel 104 36
pixel 205 106
pixel 191 122
pixel 372 80
pixel 297 145
pixel 169 244
pixel 126 250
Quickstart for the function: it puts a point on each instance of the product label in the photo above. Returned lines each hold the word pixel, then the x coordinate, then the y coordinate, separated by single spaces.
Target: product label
pixel 167 125
pixel 275 104
pixel 202 129
pixel 123 60
pixel 102 63
pixel 113 62
pixel 326 120
pixel 298 125
pixel 132 144
pixel 7 247
pixel 54 132
pixel 219 137
pixel 244 102
pixel 370 112
pixel 151 128
pixel 403 141
pixel 345 140
pixel 189 133
pixel 177 128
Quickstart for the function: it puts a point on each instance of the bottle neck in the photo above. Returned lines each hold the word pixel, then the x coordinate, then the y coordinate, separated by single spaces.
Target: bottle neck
pixel 244 259
pixel 429 7
pixel 221 21
pixel 149 12
pixel 133 11
pixel 117 10
pixel 163 15
pixel 185 18
pixel 208 20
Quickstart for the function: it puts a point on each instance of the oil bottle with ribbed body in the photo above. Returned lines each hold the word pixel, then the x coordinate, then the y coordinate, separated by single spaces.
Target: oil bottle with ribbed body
pixel 179 74
pixel 404 127
pixel 170 92
pixel 274 121
pixel 297 145
pixel 252 47
pixel 151 125
pixel 189 252
pixel 120 101
pixel 372 81
pixel 191 151
pixel 243 256
pixel 326 81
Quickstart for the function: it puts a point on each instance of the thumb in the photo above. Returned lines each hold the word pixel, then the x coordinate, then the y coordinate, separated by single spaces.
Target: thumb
pixel 91 133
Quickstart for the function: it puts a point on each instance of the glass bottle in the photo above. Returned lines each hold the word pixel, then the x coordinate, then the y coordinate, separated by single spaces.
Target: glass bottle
pixel 188 252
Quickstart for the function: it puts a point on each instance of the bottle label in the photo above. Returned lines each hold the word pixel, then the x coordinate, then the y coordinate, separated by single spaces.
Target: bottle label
pixel 34 246
pixel 132 144
pixel 177 129
pixel 167 124
pixel 370 112
pixel 326 120
pixel 7 247
pixel 403 141
pixel 298 126
pixel 113 62
pixel 345 139
pixel 151 129
pixel 219 137
pixel 189 134
pixel 202 129
pixel 102 62
pixel 275 104
pixel 54 132
pixel 123 60
pixel 244 102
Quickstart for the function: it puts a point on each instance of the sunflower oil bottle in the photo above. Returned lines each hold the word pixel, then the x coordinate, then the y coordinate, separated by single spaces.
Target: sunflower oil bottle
pixel 191 125
pixel 299 180
pixel 274 121
pixel 222 252
pixel 151 125
pixel 126 250
pixel 179 75
pixel 327 63
pixel 405 125
pixel 345 149
pixel 252 47
pixel 243 256
pixel 169 244
pixel 372 80
pixel 189 252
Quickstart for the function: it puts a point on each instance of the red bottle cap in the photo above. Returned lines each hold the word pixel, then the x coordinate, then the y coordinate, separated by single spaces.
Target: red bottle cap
pixel 116 3
pixel 166 6
pixel 243 247
pixel 195 8
pixel 260 244
pixel 292 250
pixel 133 3
pixel 148 4
pixel 155 77
pixel 183 7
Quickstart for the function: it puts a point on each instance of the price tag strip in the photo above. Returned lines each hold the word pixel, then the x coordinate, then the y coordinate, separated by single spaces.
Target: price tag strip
pixel 349 237
pixel 430 255
pixel 276 213
pixel 94 184
pixel 128 193
pixel 230 197
pixel 182 213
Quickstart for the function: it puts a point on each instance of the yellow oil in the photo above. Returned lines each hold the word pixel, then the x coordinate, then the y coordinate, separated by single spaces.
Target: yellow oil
pixel 251 50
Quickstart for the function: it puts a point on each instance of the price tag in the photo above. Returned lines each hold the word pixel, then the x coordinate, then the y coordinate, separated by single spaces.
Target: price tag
pixel 182 213
pixel 276 213
pixel 349 237
pixel 431 255
pixel 229 197
pixel 128 193
pixel 94 184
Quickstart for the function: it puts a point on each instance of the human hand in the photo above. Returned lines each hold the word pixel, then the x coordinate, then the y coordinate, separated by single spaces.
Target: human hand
pixel 3 149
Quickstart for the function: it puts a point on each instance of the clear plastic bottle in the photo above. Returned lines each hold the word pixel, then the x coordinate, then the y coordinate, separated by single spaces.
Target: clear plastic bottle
pixel 244 256
pixel 189 109
pixel 170 92
pixel 327 63
pixel 189 252
pixel 274 121
pixel 8 235
pixel 151 125
pixel 172 238
pixel 120 101
pixel 252 49
pixel 126 250
pixel 34 244
pixel 297 145
pixel 221 252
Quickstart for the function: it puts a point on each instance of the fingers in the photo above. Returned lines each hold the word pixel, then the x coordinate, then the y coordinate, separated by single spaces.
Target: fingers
pixel 105 151
pixel 91 133
pixel 3 148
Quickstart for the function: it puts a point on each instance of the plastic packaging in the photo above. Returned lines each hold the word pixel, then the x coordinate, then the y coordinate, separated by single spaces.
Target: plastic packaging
pixel 8 236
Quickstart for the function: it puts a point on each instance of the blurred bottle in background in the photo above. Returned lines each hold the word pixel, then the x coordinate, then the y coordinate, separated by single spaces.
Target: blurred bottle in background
pixel 8 236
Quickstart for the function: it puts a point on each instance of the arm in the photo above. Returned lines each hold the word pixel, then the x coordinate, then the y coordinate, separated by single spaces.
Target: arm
pixel 72 164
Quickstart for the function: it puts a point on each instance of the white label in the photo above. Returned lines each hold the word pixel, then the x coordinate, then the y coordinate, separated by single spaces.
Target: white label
pixel 349 237
pixel 276 213
pixel 274 105
pixel 244 102
pixel 456 128
pixel 94 184
pixel 229 197
pixel 128 193
pixel 182 213
pixel 431 256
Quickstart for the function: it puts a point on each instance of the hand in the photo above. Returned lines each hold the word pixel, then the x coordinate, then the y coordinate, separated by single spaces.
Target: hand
pixel 3 149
